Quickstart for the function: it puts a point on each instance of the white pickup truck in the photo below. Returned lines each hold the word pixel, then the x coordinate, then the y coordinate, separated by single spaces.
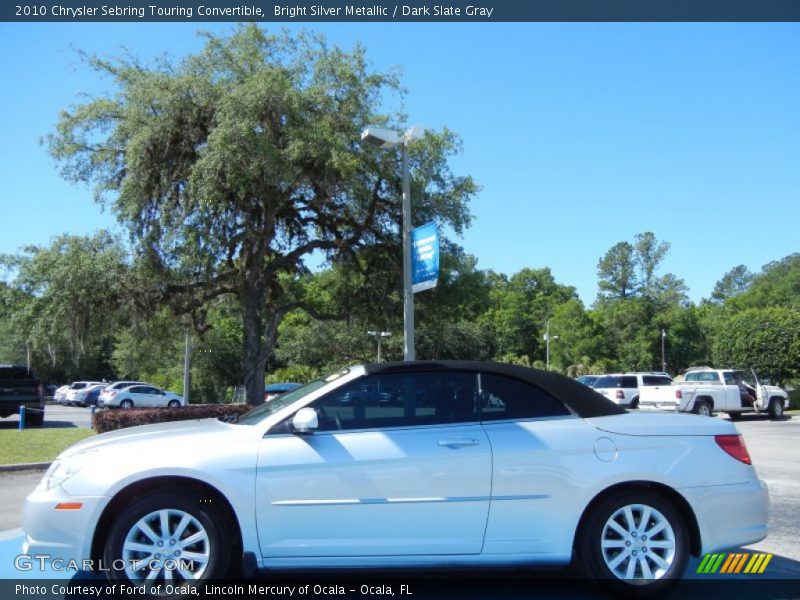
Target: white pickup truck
pixel 705 390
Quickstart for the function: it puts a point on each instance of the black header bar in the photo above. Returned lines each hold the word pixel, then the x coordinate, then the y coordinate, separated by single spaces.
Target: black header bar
pixel 321 11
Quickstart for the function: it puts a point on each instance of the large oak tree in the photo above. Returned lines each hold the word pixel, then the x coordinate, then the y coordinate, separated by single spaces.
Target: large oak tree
pixel 234 165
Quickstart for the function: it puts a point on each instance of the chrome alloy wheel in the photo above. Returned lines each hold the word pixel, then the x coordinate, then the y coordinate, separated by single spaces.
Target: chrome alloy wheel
pixel 165 545
pixel 638 543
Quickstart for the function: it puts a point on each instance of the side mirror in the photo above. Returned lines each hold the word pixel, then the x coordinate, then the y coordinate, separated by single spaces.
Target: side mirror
pixel 305 421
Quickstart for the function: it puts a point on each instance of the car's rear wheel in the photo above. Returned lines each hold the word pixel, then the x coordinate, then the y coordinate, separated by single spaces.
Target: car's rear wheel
pixel 173 404
pixel 703 409
pixel 636 542
pixel 167 539
pixel 126 404
pixel 735 416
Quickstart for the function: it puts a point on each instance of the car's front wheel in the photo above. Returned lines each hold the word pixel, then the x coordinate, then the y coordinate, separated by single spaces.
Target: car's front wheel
pixel 169 539
pixel 636 542
pixel 775 409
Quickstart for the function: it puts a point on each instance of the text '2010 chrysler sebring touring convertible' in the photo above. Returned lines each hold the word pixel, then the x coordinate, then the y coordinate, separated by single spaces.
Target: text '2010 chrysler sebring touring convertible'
pixel 406 465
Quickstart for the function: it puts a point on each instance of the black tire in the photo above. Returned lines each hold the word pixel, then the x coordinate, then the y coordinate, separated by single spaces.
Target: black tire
pixel 703 408
pixel 126 404
pixel 775 409
pixel 173 404
pixel 203 521
pixel 604 552
pixel 635 403
pixel 735 416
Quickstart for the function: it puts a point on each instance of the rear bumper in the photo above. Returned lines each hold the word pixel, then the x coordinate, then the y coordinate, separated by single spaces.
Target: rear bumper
pixel 658 406
pixel 730 516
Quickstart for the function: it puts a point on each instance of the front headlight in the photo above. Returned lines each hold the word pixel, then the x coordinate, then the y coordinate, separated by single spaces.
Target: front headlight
pixel 63 469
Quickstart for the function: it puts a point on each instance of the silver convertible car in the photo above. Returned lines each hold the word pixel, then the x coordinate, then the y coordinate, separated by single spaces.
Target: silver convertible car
pixel 406 465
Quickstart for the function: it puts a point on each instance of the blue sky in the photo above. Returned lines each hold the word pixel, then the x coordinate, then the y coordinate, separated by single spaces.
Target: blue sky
pixel 581 135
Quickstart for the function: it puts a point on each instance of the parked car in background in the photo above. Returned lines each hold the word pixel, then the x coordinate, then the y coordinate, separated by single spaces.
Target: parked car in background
pixel 273 390
pixel 88 396
pixel 471 464
pixel 74 388
pixel 587 380
pixel 705 390
pixel 142 396
pixel 60 394
pixel 623 388
pixel 19 386
pixel 112 389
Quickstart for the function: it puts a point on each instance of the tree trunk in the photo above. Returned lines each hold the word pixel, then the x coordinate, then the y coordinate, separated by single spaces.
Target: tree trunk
pixel 253 350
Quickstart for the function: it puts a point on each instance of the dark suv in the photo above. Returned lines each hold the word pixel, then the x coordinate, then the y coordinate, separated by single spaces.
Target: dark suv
pixel 19 386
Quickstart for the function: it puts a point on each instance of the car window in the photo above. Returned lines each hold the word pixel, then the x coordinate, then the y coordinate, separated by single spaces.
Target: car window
pixel 508 398
pixel 138 389
pixel 703 376
pixel 400 400
pixel 730 379
pixel 608 381
pixel 629 381
pixel 648 380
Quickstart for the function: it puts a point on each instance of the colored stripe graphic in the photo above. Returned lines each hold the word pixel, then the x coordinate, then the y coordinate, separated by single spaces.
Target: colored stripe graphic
pixel 734 563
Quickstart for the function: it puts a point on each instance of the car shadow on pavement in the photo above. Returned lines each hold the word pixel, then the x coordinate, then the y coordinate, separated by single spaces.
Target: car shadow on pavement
pixel 13 423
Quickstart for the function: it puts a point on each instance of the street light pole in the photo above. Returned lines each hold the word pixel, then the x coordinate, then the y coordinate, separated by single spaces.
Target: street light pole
pixel 379 335
pixel 386 138
pixel 547 338
pixel 409 350
pixel 663 356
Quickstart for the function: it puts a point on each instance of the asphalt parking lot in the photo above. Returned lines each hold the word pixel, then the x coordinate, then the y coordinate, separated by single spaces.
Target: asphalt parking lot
pixel 772 446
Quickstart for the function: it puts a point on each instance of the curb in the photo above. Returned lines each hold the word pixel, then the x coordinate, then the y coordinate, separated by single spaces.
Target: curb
pixel 39 466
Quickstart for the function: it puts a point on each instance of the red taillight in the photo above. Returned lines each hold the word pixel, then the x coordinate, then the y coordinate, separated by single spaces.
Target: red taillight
pixel 734 445
pixel 678 394
pixel 620 395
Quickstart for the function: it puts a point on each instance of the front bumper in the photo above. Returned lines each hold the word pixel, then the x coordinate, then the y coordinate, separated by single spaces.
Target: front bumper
pixel 56 533
pixel 730 516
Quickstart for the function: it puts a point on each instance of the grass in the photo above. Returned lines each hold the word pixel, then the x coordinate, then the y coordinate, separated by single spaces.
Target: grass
pixel 37 445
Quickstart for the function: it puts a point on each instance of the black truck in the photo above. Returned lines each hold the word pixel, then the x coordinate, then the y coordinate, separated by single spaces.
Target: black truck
pixel 19 387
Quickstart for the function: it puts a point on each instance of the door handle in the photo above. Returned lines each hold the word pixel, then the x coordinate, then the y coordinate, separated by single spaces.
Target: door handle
pixel 458 442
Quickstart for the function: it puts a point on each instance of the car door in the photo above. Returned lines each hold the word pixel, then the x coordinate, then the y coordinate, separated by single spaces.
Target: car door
pixel 732 393
pixel 140 396
pixel 399 465
pixel 543 456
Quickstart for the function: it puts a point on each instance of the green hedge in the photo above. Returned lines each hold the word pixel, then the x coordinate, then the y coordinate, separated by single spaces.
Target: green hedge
pixel 111 419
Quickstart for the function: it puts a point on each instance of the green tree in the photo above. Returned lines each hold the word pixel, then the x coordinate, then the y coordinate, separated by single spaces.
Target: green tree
pixel 616 271
pixel 66 300
pixel 778 284
pixel 520 308
pixel 766 339
pixel 234 165
pixel 734 282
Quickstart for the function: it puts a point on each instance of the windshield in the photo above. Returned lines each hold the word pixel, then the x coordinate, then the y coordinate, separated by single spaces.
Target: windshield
pixel 261 412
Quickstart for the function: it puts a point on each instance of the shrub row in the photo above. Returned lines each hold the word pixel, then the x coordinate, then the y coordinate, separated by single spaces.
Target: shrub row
pixel 111 419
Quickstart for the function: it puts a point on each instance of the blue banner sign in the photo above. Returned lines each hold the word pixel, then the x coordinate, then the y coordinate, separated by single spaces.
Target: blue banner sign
pixel 424 257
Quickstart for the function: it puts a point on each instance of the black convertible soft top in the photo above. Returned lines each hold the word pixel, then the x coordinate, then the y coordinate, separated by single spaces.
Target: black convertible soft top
pixel 582 400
